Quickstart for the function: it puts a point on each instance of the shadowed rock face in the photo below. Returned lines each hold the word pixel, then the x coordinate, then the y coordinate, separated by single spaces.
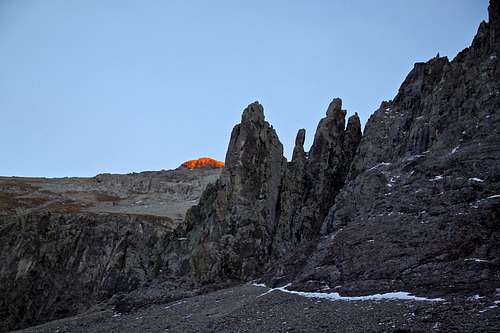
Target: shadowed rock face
pixel 56 265
pixel 68 243
pixel 262 206
pixel 421 206
pixel 422 209
pixel 234 223
pixel 312 181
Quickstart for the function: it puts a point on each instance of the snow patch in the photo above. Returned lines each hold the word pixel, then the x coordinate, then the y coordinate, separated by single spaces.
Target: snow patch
pixel 489 308
pixel 454 150
pixel 476 180
pixel 399 295
pixel 476 260
pixel 475 298
pixel 439 177
pixel 174 304
pixel 379 165
pixel 493 196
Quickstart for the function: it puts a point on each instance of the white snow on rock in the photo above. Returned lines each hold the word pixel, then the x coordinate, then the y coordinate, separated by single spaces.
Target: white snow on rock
pixel 476 180
pixel 439 177
pixel 454 150
pixel 399 295
pixel 379 165
pixel 475 297
pixel 174 304
pixel 493 196
pixel 476 260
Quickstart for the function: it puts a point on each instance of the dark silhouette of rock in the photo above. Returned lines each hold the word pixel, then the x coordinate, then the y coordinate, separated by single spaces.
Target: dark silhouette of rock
pixel 232 227
pixel 421 210
pixel 261 207
pixel 312 181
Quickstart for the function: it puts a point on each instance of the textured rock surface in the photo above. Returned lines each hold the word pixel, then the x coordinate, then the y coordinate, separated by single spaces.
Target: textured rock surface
pixel 162 193
pixel 422 208
pixel 232 228
pixel 312 180
pixel 58 258
pixel 56 265
pixel 262 206
pixel 249 308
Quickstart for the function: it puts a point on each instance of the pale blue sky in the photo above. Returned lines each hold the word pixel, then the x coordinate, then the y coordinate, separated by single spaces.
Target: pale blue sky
pixel 118 86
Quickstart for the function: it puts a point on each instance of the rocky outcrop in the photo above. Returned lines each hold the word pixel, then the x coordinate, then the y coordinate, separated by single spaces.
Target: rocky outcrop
pixel 263 206
pixel 422 206
pixel 57 265
pixel 67 244
pixel 166 193
pixel 312 180
pixel 232 228
pixel 419 210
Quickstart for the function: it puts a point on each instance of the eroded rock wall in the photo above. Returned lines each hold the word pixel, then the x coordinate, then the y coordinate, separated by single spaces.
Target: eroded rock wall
pixel 422 207
pixel 56 265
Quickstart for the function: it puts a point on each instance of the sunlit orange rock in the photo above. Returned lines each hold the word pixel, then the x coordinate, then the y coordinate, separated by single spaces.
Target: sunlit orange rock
pixel 203 163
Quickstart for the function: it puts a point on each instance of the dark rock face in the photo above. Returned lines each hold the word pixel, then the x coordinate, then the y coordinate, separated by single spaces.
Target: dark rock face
pixel 59 264
pixel 233 225
pixel 262 206
pixel 68 243
pixel 312 181
pixel 422 207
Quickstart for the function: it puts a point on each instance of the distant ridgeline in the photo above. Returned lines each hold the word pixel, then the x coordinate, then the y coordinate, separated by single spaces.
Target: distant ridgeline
pixel 203 163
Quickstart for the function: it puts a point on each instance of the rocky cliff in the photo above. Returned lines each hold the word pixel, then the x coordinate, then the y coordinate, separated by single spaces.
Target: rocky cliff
pixel 233 225
pixel 56 265
pixel 412 204
pixel 68 244
pixel 421 208
pixel 262 206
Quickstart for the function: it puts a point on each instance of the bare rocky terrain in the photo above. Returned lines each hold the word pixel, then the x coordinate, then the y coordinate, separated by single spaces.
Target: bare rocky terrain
pixel 250 308
pixel 166 193
pixel 68 243
pixel 394 229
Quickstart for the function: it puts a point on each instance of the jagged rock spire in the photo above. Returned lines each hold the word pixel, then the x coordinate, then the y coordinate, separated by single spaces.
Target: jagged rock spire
pixel 298 150
pixel 234 222
pixel 310 188
pixel 494 22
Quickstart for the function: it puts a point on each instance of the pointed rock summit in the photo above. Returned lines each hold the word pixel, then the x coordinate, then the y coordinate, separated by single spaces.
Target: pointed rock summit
pixel 203 163
pixel 234 223
pixel 262 206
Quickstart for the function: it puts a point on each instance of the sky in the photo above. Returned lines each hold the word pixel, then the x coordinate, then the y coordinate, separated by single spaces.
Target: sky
pixel 123 86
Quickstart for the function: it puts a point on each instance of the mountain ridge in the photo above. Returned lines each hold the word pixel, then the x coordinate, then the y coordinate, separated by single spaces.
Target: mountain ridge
pixel 412 204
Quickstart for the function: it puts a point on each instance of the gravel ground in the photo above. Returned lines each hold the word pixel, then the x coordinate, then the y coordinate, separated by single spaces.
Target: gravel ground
pixel 250 308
